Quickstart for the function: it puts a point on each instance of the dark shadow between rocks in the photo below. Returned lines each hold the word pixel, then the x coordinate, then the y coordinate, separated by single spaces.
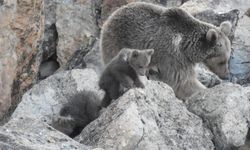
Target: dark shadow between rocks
pixel 48 67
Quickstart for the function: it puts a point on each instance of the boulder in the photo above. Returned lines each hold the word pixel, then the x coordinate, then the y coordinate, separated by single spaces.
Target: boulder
pixel 93 58
pixel 45 99
pixel 21 27
pixel 225 110
pixel 27 133
pixel 76 27
pixel 50 39
pixel 90 57
pixel 8 61
pixel 150 118
pixel 20 31
pixel 240 62
pixel 222 6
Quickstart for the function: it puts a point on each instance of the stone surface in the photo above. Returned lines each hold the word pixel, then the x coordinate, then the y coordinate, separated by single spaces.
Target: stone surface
pixel 225 109
pixel 25 22
pixel 150 118
pixel 30 134
pixel 76 27
pixel 90 57
pixel 219 6
pixel 240 62
pixel 50 39
pixel 93 58
pixel 20 27
pixel 46 98
pixel 8 58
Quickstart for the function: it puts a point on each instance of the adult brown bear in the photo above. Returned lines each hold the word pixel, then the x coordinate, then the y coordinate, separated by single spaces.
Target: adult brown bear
pixel 179 40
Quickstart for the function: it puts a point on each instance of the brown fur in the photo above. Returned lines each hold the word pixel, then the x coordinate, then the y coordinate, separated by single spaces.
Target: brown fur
pixel 179 40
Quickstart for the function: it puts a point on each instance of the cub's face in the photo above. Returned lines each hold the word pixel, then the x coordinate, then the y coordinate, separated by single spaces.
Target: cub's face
pixel 140 59
pixel 218 60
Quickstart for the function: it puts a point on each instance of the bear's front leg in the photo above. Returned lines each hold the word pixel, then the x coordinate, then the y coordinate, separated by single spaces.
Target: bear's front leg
pixel 138 83
pixel 124 80
pixel 185 90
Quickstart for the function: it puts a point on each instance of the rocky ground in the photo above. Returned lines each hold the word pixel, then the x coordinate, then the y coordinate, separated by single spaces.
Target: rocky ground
pixel 50 49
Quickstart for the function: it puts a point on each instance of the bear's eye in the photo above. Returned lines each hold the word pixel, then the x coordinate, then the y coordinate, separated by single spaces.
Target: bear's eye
pixel 219 45
pixel 222 63
pixel 140 67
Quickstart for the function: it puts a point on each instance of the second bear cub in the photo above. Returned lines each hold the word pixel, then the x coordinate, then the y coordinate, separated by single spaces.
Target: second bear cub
pixel 123 71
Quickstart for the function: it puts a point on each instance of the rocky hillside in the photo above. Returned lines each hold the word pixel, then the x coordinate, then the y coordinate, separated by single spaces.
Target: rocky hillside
pixel 49 49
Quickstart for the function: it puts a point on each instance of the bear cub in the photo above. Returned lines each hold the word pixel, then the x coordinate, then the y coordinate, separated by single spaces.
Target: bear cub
pixel 78 112
pixel 123 72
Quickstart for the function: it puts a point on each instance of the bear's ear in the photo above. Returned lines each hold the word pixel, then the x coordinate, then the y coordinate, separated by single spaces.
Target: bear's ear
pixel 124 54
pixel 150 51
pixel 212 36
pixel 135 54
pixel 123 57
pixel 226 27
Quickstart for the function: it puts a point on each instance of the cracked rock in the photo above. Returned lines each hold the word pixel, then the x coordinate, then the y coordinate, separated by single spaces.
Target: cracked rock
pixel 146 119
pixel 46 98
pixel 27 133
pixel 225 110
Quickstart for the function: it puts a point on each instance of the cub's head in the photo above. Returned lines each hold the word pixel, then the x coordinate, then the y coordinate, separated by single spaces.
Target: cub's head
pixel 217 60
pixel 140 59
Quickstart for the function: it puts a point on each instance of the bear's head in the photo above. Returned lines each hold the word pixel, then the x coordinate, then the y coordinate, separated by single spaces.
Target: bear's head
pixel 140 59
pixel 217 60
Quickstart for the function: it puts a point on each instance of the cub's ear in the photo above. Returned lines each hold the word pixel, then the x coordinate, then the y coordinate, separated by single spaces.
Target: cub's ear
pixel 226 27
pixel 135 54
pixel 150 51
pixel 212 36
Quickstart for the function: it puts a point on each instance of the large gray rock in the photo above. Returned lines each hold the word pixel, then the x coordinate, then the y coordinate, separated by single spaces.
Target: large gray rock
pixel 225 110
pixel 93 58
pixel 240 62
pixel 147 119
pixel 45 99
pixel 196 6
pixel 8 58
pixel 90 57
pixel 76 26
pixel 50 39
pixel 21 27
pixel 26 133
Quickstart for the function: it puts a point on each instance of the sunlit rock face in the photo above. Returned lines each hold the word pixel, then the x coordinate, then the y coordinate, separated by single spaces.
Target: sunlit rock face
pixel 225 111
pixel 20 31
pixel 240 62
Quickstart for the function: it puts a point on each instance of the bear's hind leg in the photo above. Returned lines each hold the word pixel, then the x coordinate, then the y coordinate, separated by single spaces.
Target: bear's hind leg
pixel 111 93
